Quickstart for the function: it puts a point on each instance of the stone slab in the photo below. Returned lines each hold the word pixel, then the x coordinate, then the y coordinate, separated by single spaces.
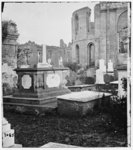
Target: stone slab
pixel 81 86
pixel 57 145
pixel 83 96
pixel 80 103
pixel 114 82
pixel 16 146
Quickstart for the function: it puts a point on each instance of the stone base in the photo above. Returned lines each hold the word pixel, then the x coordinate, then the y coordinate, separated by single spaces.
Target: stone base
pixel 33 105
pixel 43 65
pixel 57 145
pixel 79 103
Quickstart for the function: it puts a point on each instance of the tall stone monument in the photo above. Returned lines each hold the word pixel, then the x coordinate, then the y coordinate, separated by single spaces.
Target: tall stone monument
pixel 38 87
pixel 44 59
pixel 100 72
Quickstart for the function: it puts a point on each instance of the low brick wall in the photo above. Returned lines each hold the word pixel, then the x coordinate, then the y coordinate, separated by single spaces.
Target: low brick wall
pixel 84 87
pixel 110 88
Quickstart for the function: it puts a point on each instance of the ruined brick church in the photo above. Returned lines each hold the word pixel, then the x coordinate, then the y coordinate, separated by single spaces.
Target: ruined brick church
pixel 105 38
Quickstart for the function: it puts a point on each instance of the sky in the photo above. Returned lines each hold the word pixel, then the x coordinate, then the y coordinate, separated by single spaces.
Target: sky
pixel 46 22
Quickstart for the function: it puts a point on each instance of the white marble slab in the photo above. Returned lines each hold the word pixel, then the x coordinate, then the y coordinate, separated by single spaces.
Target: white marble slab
pixel 57 145
pixel 83 96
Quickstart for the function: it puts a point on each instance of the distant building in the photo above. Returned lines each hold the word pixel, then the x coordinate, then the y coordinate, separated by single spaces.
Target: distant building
pixel 105 38
pixel 83 39
pixel 32 51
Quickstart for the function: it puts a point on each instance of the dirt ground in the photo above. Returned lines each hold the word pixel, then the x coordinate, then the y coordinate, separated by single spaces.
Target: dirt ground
pixel 91 131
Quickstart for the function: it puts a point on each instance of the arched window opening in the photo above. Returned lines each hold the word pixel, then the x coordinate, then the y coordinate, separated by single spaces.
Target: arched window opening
pixel 77 54
pixel 91 55
pixel 76 23
pixel 88 22
pixel 123 32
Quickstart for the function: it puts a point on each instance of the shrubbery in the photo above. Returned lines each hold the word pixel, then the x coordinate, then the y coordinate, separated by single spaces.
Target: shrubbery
pixel 72 66
pixel 7 89
pixel 78 74
pixel 117 109
pixel 89 80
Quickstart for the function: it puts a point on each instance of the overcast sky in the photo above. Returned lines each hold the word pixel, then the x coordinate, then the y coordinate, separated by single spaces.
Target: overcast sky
pixel 44 23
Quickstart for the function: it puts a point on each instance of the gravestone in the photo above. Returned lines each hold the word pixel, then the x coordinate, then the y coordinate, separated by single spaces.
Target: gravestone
pixel 102 65
pixel 49 61
pixel 38 87
pixel 110 66
pixel 99 77
pixel 100 72
pixel 60 62
pixel 8 136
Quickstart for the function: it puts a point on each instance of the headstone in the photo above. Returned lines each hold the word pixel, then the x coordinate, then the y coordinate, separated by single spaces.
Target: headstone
pixel 7 134
pixel 60 62
pixel 49 61
pixel 99 77
pixel 102 65
pixel 8 138
pixel 110 66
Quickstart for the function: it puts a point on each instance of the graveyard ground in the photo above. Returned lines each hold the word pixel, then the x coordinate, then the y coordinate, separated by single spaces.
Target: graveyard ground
pixel 91 131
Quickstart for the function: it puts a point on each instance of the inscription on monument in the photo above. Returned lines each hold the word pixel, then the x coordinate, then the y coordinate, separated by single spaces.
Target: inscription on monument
pixel 53 80
pixel 26 81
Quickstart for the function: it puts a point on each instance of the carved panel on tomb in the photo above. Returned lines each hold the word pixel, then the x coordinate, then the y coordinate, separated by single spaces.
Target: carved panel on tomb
pixel 39 81
pixel 26 81
pixel 53 80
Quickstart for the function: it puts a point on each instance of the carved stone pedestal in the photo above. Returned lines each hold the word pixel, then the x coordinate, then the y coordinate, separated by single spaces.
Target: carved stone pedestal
pixel 37 89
